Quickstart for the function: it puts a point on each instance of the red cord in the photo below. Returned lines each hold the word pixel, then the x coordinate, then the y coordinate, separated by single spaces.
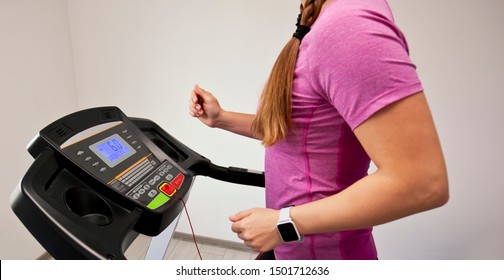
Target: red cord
pixel 190 224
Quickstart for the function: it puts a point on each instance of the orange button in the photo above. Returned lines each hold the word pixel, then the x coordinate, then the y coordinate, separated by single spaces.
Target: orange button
pixel 168 189
pixel 177 182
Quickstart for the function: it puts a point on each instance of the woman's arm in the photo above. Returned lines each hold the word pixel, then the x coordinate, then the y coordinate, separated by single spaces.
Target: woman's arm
pixel 402 141
pixel 204 106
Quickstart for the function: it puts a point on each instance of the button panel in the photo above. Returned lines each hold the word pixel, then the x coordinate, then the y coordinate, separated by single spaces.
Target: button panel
pixel 166 179
pixel 141 176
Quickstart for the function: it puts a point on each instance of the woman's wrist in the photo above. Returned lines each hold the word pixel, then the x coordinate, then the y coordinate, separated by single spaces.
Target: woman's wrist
pixel 295 217
pixel 221 120
pixel 234 122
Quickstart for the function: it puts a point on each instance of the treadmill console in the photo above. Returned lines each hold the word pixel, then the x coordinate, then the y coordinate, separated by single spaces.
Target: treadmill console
pixel 101 178
pixel 115 155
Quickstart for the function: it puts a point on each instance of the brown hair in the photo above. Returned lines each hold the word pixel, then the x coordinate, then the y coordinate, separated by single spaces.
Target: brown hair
pixel 273 118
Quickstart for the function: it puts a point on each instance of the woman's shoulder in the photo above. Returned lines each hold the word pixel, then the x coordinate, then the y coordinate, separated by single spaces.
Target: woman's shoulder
pixel 353 16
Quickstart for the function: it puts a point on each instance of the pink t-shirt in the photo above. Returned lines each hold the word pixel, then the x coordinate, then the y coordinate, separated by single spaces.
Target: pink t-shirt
pixel 354 62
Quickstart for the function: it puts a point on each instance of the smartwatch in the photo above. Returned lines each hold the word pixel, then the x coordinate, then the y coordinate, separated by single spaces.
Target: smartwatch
pixel 286 227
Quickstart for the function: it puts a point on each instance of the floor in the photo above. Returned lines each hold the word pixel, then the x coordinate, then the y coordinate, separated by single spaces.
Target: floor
pixel 183 248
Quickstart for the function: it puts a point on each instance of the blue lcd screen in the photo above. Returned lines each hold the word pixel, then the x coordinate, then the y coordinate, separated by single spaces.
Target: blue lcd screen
pixel 112 150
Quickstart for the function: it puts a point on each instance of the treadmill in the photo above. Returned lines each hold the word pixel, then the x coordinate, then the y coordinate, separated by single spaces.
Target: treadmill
pixel 100 178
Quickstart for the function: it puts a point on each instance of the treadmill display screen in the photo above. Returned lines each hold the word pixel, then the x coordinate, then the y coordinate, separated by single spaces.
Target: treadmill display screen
pixel 112 150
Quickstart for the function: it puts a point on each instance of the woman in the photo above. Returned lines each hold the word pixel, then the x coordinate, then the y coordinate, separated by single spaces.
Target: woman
pixel 342 92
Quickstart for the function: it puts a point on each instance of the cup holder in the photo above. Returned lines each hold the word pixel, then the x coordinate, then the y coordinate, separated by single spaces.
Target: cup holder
pixel 88 205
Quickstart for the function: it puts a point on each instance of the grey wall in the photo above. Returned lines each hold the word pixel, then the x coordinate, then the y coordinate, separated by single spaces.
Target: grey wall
pixel 36 87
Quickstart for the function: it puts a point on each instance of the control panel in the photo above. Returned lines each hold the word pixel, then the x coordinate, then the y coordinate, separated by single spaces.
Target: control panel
pixel 100 178
pixel 114 154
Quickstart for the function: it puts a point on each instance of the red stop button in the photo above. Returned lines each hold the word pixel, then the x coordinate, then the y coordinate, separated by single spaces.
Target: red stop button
pixel 167 189
pixel 177 182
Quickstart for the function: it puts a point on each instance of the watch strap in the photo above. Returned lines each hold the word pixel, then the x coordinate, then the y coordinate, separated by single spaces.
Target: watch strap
pixel 285 214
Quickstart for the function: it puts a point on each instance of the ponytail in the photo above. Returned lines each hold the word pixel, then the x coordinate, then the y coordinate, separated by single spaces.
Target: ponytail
pixel 273 119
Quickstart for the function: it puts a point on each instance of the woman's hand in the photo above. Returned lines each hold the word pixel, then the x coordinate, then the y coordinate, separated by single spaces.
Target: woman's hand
pixel 257 228
pixel 204 106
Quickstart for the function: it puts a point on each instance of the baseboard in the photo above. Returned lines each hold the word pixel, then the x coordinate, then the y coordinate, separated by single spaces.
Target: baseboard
pixel 44 257
pixel 188 237
pixel 212 241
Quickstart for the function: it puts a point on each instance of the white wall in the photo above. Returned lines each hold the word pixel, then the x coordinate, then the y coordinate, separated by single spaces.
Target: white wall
pixel 159 49
pixel 144 57
pixel 458 48
pixel 36 87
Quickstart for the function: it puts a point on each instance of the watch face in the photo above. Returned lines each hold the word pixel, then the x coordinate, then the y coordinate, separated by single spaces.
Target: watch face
pixel 288 232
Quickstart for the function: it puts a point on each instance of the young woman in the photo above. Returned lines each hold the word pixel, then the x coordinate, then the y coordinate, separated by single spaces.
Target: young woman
pixel 342 92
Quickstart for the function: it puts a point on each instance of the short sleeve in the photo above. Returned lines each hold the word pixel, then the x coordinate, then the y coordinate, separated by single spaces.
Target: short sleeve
pixel 361 64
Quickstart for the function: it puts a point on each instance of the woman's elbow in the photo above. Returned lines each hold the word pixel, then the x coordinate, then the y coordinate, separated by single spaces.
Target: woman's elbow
pixel 441 193
pixel 434 190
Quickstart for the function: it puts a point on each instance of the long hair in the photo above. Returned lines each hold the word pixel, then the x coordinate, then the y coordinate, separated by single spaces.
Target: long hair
pixel 273 118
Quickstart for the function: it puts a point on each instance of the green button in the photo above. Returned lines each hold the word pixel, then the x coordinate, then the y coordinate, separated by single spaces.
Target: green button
pixel 158 201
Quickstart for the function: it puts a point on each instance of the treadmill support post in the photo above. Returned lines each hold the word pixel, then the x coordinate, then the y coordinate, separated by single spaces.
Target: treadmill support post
pixel 159 244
